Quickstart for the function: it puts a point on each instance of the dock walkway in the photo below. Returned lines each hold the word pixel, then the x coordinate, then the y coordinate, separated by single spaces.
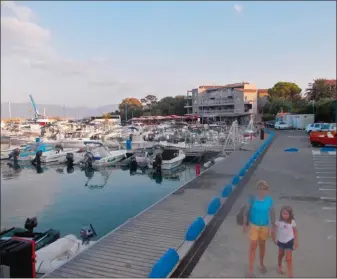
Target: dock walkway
pixel 305 180
pixel 132 249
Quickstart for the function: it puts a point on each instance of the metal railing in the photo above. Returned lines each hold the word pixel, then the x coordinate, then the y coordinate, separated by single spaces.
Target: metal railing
pixel 216 102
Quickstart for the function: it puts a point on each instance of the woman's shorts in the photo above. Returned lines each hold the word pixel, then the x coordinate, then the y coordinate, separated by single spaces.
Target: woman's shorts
pixel 258 232
pixel 286 246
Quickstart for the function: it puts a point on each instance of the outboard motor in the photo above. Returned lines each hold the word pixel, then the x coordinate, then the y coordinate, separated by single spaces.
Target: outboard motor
pixel 88 160
pixel 157 162
pixel 87 233
pixel 30 224
pixel 37 159
pixel 158 177
pixel 70 159
pixel 14 154
pixel 133 166
pixel 58 148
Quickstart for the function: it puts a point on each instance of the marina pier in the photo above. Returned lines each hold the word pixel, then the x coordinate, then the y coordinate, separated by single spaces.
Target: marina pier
pixel 137 248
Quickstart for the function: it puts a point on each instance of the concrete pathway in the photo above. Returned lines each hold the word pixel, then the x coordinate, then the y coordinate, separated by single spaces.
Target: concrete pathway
pixel 295 179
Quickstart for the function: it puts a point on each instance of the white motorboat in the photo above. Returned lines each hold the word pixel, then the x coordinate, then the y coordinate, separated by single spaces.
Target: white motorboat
pixel 57 253
pixel 49 153
pixel 171 158
pixel 98 155
pixel 76 139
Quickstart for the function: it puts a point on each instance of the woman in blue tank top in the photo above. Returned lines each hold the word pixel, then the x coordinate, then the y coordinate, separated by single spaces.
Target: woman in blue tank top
pixel 261 215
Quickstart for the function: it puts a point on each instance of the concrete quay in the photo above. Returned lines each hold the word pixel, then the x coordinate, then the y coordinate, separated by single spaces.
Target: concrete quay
pixel 305 180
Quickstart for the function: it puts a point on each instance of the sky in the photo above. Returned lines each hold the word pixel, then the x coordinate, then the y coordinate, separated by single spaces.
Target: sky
pixel 94 53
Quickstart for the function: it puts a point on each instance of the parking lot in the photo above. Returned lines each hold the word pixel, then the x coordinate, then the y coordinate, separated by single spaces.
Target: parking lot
pixel 325 171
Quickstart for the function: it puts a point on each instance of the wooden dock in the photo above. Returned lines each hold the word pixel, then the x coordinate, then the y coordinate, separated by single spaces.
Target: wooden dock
pixel 133 248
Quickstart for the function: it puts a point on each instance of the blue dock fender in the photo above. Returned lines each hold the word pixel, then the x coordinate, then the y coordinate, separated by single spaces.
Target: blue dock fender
pixel 195 229
pixel 235 180
pixel 163 267
pixel 242 172
pixel 227 191
pixel 214 206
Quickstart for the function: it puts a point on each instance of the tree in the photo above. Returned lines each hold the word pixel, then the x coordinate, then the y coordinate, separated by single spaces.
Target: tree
pixel 170 105
pixel 130 107
pixel 262 103
pixel 148 102
pixel 325 110
pixel 277 105
pixel 286 90
pixel 320 89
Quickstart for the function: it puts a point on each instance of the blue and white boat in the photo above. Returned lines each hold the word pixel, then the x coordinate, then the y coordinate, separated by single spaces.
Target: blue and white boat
pixel 50 153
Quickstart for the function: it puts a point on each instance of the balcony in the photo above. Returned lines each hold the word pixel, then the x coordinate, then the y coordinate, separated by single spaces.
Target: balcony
pixel 217 102
pixel 216 112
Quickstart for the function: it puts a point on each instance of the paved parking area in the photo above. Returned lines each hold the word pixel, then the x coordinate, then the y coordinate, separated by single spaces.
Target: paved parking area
pixel 293 181
pixel 325 170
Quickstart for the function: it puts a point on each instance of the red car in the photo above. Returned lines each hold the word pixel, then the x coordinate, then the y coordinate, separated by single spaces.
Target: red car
pixel 323 138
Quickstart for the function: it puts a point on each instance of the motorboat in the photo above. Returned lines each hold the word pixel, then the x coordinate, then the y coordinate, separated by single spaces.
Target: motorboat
pixel 58 252
pixel 171 158
pixel 144 157
pixel 76 139
pixel 98 155
pixel 49 153
pixel 41 239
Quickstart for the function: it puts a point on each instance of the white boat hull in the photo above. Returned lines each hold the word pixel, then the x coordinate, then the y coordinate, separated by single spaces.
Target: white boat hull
pixel 58 252
pixel 116 156
pixel 168 165
pixel 53 156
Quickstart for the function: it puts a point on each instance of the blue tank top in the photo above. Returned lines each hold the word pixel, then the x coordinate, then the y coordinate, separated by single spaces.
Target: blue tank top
pixel 259 212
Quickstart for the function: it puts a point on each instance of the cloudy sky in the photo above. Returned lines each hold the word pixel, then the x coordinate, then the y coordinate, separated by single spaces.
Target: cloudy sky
pixel 96 53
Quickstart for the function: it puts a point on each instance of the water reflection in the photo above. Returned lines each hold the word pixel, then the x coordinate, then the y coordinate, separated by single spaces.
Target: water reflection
pixel 13 170
pixel 66 197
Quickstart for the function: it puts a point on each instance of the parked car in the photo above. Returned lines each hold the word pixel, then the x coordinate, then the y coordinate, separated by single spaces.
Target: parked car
pixel 319 127
pixel 323 138
pixel 270 124
pixel 333 127
pixel 280 125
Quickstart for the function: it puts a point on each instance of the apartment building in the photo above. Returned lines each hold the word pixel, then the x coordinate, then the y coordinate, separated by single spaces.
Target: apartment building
pixel 224 101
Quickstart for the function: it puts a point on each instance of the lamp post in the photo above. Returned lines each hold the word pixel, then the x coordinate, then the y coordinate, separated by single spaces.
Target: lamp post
pixel 126 112
pixel 313 109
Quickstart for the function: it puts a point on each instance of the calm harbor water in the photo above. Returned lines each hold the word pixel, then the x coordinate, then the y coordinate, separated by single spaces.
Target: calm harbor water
pixel 67 201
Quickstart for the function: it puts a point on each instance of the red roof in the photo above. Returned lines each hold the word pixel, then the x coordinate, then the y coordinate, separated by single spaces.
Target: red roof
pixel 330 82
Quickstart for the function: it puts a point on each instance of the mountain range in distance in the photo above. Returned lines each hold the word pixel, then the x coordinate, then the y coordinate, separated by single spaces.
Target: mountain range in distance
pixel 26 110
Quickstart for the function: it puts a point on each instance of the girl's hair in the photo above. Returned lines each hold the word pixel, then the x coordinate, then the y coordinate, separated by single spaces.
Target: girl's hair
pixel 291 214
pixel 262 183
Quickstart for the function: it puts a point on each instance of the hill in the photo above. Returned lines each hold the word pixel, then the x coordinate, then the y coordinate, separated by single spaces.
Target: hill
pixel 26 110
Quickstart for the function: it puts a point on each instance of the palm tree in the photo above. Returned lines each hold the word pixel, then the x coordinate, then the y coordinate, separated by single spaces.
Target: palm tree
pixel 320 90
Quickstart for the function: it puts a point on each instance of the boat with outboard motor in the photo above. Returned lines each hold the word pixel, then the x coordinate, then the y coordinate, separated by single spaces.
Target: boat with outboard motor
pixel 169 159
pixel 43 152
pixel 98 155
pixel 63 249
